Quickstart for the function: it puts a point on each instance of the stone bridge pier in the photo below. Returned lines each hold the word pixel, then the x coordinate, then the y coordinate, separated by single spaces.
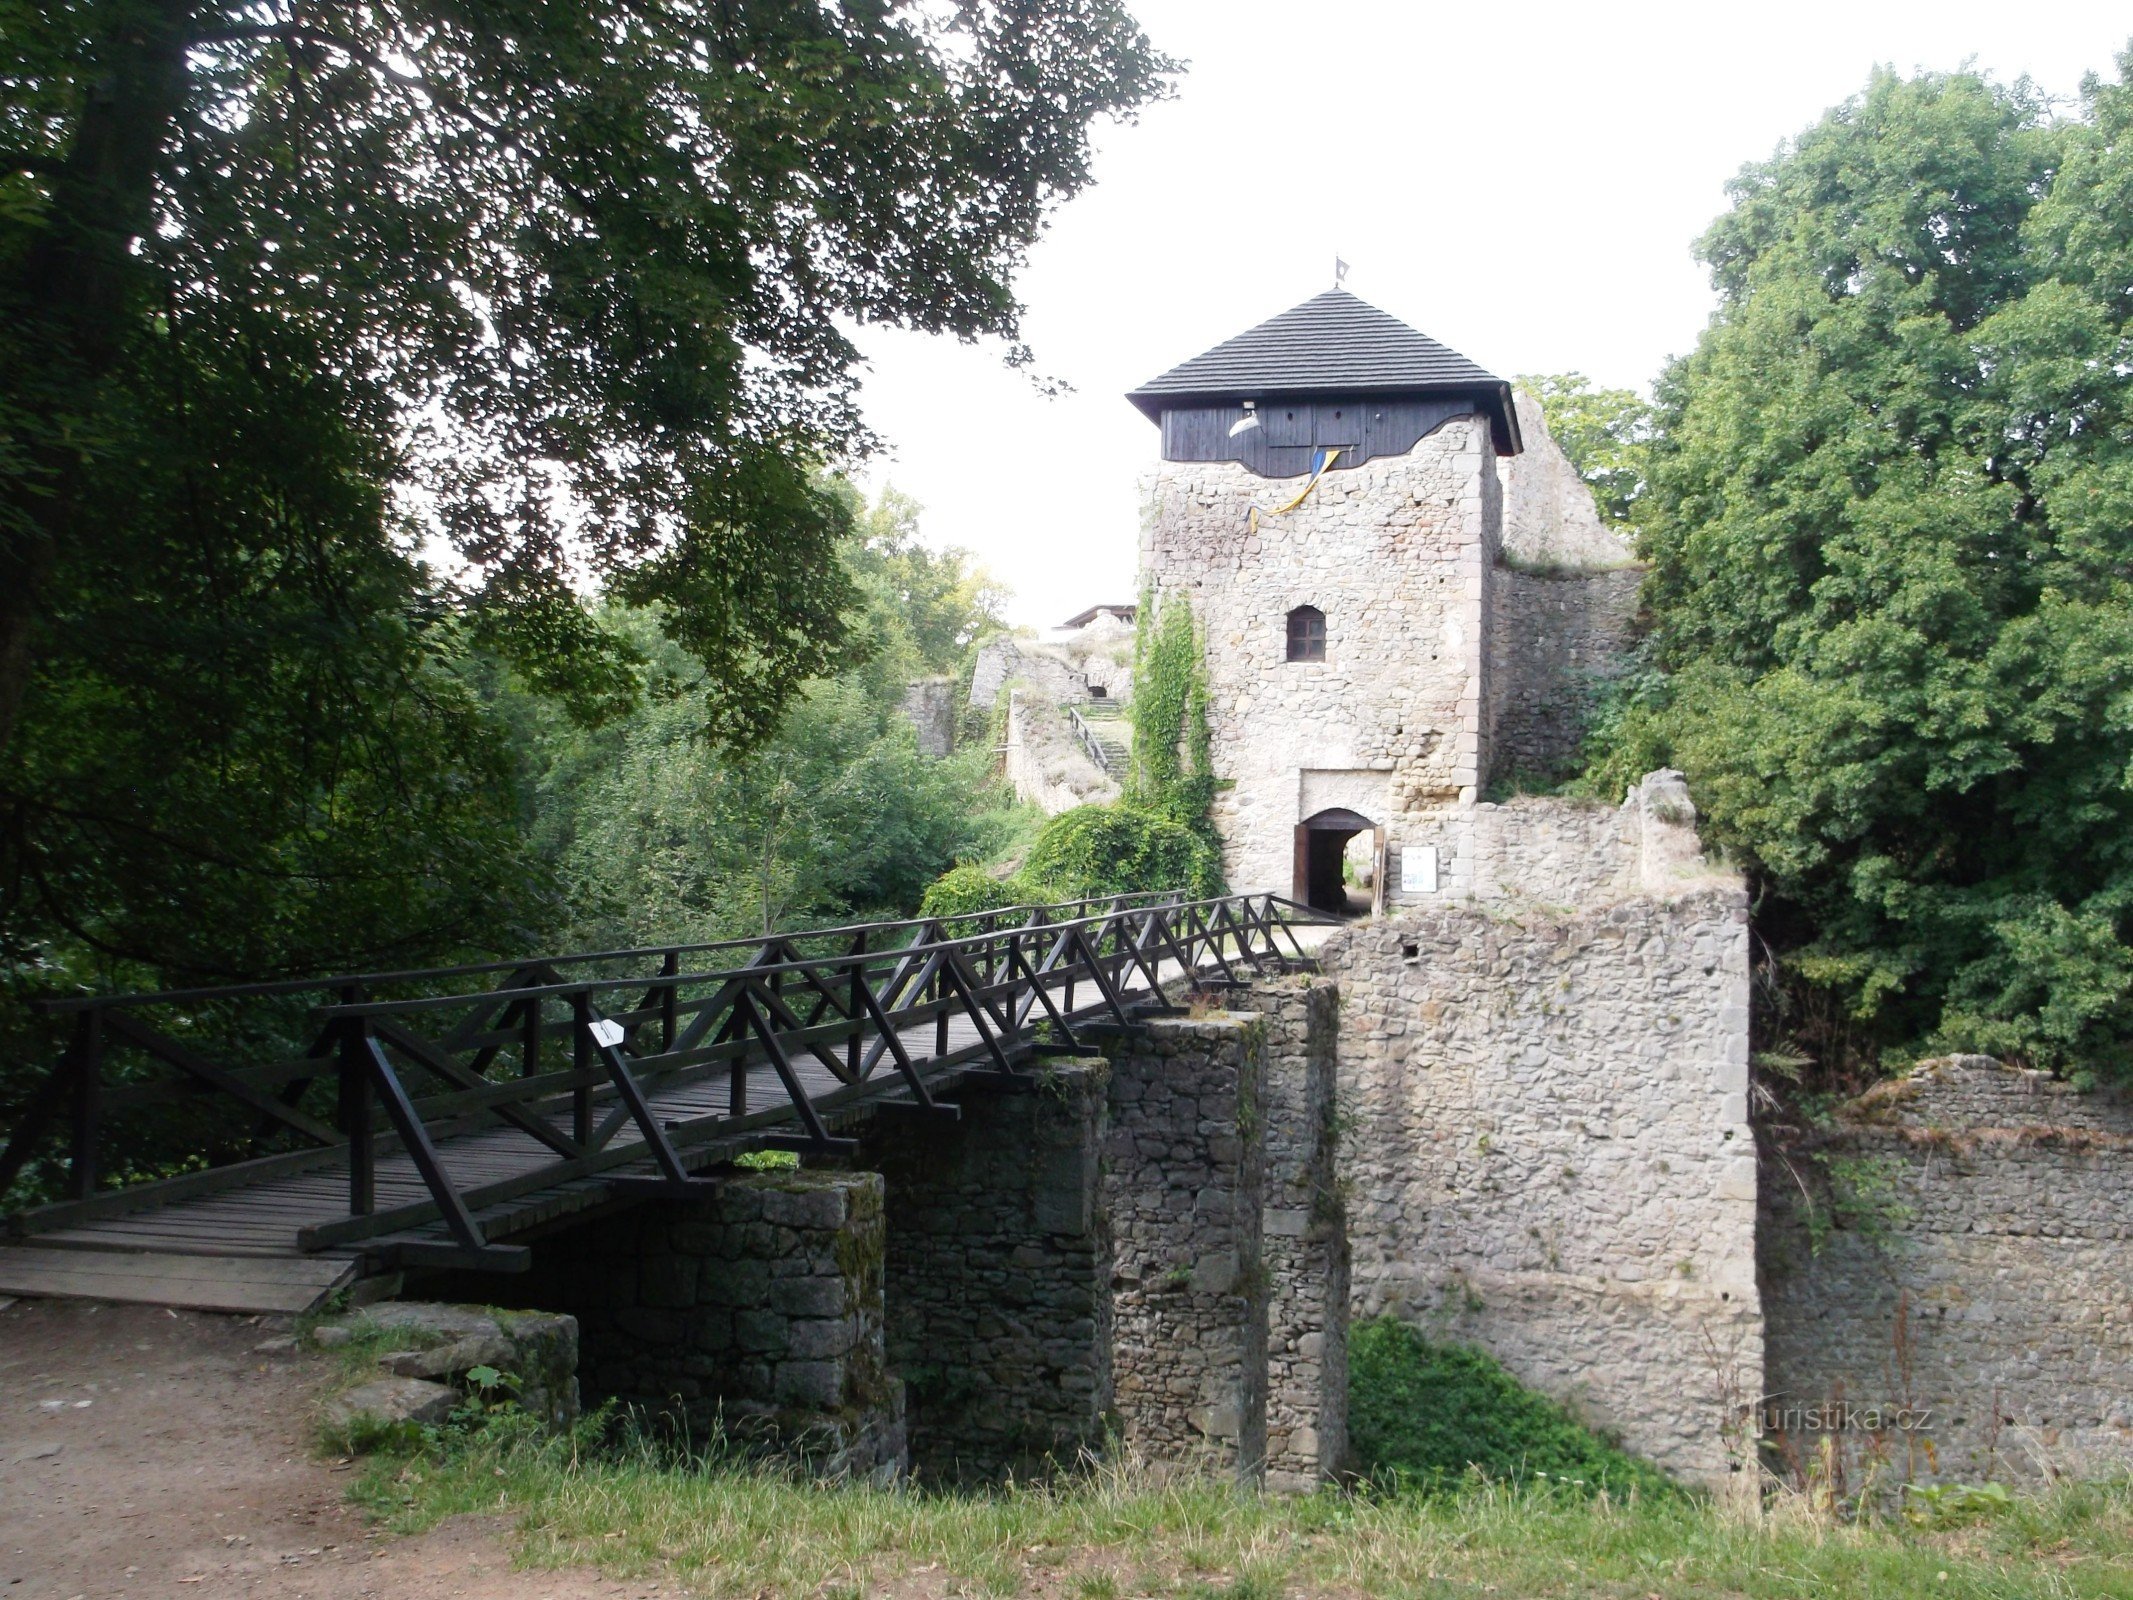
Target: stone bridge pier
pixel 1140 1253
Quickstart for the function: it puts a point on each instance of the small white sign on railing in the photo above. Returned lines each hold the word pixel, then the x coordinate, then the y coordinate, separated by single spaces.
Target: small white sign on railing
pixel 607 1034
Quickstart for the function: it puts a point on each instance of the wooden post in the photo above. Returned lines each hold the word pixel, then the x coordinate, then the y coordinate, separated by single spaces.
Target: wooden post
pixel 355 1090
pixel 669 998
pixel 530 1038
pixel 858 1003
pixel 581 1060
pixel 940 1018
pixel 87 1097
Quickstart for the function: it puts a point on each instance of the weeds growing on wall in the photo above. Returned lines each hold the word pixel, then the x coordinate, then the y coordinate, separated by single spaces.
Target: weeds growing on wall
pixel 1427 1416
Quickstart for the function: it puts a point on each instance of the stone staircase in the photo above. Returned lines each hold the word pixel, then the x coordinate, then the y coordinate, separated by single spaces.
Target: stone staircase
pixel 1106 720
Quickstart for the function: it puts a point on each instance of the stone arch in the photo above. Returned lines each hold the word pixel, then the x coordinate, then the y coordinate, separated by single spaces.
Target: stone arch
pixel 1321 847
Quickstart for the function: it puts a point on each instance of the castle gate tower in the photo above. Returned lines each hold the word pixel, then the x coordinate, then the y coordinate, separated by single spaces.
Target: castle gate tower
pixel 1345 627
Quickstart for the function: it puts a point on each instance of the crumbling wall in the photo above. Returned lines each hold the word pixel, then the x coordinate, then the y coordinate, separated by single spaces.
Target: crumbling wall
pixel 929 706
pixel 1549 519
pixel 1548 1154
pixel 1944 1279
pixel 1556 852
pixel 1558 637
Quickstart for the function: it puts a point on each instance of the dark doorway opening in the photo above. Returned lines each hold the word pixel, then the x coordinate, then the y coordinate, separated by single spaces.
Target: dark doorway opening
pixel 1321 857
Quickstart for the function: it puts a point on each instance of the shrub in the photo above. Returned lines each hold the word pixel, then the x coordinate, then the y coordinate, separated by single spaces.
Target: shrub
pixel 1421 1414
pixel 962 890
pixel 1121 849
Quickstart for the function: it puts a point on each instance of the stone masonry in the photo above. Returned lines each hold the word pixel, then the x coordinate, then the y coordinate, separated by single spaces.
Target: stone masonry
pixel 1969 1294
pixel 998 1275
pixel 1549 1154
pixel 755 1310
pixel 1400 556
pixel 1304 1236
pixel 1185 1184
pixel 1556 639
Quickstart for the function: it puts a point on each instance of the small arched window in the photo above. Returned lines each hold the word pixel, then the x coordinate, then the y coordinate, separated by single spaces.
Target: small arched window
pixel 1307 634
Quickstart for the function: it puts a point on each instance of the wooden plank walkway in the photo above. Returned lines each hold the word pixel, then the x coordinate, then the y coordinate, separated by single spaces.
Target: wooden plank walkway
pixel 290 1284
pixel 240 1249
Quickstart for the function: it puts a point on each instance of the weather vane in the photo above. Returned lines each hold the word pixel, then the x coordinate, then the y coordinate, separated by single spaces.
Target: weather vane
pixel 1340 272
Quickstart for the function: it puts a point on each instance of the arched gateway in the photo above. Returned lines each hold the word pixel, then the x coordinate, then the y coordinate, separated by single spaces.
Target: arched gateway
pixel 1322 842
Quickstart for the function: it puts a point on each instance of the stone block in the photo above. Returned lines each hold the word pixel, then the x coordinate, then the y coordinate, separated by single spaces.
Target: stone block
pixel 809 1297
pixel 818 1340
pixel 667 1281
pixel 811 1207
pixel 809 1383
pixel 386 1402
pixel 760 1332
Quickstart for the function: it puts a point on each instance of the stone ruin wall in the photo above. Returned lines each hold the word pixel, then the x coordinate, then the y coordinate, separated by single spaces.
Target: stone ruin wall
pixel 1044 763
pixel 1184 1179
pixel 1977 1275
pixel 1398 554
pixel 1562 609
pixel 998 1274
pixel 1556 638
pixel 1548 1151
pixel 929 706
pixel 1304 1233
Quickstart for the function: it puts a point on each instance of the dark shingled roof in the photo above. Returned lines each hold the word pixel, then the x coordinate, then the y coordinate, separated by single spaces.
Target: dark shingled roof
pixel 1332 344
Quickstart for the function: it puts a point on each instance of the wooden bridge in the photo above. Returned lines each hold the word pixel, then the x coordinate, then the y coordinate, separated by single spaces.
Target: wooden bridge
pixel 256 1146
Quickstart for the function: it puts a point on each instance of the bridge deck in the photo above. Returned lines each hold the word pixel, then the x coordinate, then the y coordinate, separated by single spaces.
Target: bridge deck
pixel 242 1247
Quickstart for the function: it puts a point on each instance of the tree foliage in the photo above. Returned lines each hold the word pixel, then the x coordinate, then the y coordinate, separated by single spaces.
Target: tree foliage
pixel 1891 533
pixel 555 293
pixel 655 831
pixel 1121 849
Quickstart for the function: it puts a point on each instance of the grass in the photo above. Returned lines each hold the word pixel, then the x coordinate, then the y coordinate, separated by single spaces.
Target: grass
pixel 1114 1534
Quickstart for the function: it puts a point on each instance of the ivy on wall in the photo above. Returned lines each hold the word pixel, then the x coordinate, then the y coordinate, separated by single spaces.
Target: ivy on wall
pixel 1172 761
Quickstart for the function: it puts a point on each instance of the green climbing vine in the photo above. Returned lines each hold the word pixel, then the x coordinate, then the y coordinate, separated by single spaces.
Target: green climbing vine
pixel 1172 762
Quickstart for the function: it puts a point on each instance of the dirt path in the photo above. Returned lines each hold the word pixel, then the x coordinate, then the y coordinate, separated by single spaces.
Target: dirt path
pixel 149 1453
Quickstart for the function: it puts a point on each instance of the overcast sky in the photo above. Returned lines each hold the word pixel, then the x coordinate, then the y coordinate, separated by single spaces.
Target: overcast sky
pixel 1522 181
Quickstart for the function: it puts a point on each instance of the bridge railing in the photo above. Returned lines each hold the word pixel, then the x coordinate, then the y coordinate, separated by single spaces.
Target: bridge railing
pixel 267 1080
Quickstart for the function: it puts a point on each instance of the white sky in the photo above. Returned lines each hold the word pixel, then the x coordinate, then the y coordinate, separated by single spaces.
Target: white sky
pixel 1520 180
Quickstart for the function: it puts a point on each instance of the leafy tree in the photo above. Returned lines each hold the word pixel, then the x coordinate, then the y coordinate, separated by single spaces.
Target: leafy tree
pixel 1606 433
pixel 656 831
pixel 1890 523
pixel 253 749
pixel 593 260
pixel 939 602
pixel 559 291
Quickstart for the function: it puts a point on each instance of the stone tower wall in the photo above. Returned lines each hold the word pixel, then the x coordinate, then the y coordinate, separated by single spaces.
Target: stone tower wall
pixel 1400 556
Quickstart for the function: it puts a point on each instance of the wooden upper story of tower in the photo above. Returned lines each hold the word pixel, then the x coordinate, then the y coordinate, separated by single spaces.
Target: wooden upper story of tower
pixel 1332 373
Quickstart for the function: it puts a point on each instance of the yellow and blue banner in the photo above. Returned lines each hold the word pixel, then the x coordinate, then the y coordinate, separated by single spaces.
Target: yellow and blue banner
pixel 1320 461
